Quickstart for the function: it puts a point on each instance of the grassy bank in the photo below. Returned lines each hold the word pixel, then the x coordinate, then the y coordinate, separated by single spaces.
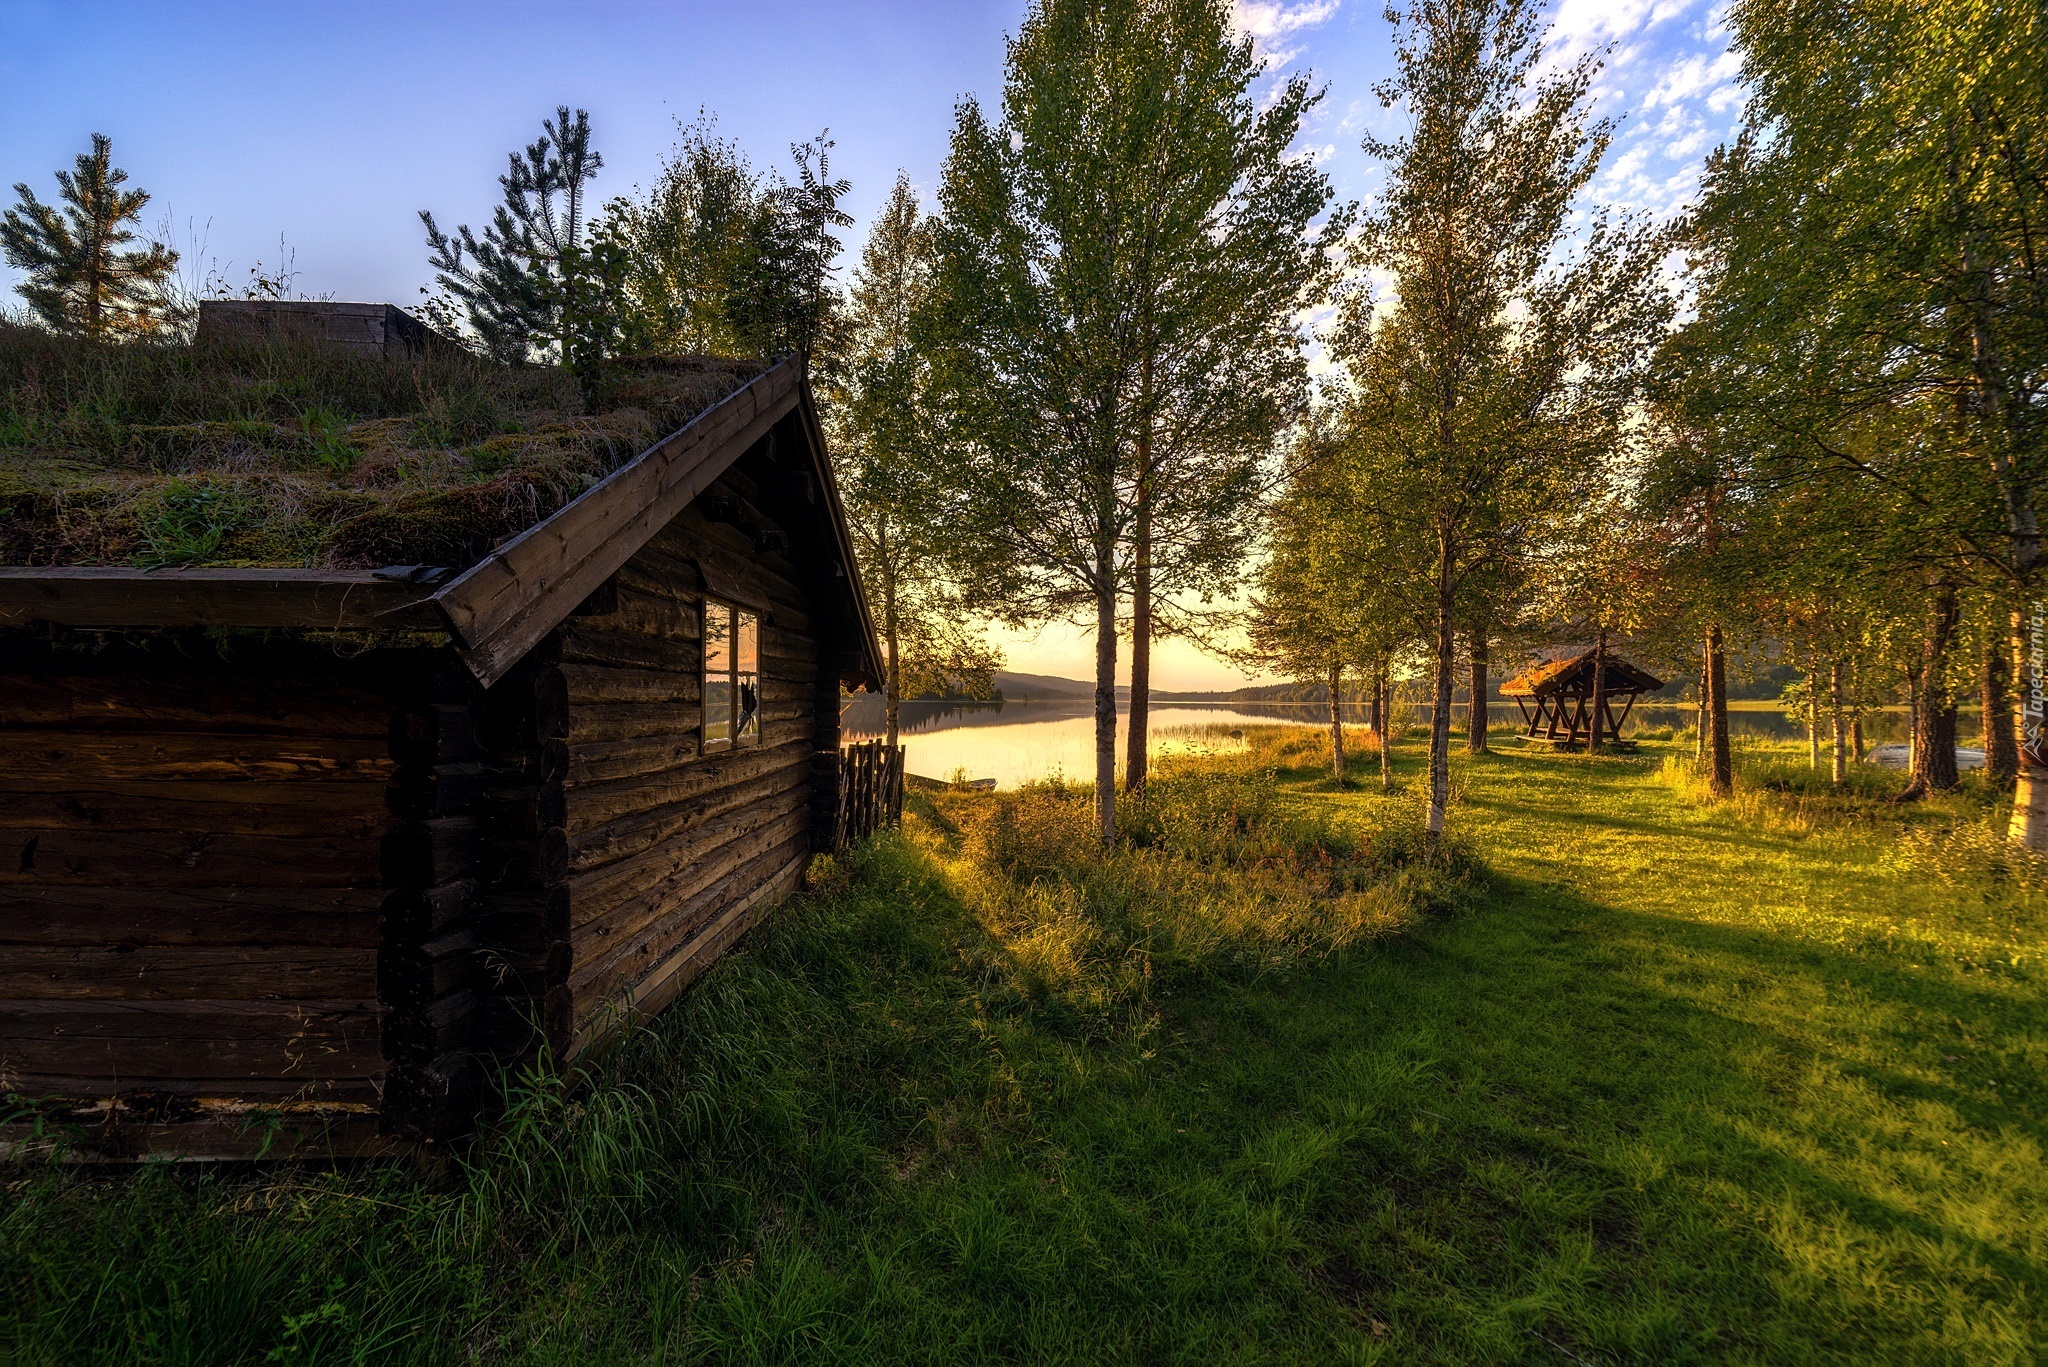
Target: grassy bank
pixel 1632 1077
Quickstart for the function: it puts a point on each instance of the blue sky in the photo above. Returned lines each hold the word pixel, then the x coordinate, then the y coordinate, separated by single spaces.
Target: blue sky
pixel 330 125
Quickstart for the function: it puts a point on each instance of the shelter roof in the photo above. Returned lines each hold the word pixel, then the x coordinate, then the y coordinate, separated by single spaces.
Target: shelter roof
pixel 1569 670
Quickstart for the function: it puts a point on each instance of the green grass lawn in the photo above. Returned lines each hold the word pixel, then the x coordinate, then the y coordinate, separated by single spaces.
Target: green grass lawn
pixel 1638 1078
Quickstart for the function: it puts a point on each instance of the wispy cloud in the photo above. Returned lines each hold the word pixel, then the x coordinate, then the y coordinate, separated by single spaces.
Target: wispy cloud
pixel 1275 26
pixel 1580 26
pixel 1693 76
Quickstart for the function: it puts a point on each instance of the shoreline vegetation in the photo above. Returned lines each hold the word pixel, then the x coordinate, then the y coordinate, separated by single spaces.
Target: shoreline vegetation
pixel 1620 1073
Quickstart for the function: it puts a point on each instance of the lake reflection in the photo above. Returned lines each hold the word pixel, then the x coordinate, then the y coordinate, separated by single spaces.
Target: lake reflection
pixel 1017 742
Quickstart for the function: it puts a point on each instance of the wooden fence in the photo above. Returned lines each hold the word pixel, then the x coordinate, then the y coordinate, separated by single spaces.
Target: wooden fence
pixel 870 790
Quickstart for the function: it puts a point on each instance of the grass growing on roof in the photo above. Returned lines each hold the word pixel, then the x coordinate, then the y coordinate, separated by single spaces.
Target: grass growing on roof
pixel 280 452
pixel 1668 1081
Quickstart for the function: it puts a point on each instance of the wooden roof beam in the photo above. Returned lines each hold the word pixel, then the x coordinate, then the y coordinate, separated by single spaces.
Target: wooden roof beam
pixel 117 596
pixel 501 606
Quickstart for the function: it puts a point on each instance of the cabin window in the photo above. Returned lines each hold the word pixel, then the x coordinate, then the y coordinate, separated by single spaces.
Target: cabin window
pixel 732 677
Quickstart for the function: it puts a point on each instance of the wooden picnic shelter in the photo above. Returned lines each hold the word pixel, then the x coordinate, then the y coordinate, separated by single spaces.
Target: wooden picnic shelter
pixel 1556 697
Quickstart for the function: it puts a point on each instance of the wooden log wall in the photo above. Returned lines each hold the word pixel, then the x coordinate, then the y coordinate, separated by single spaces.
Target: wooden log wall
pixel 269 897
pixel 671 854
pixel 870 790
pixel 433 865
pixel 189 894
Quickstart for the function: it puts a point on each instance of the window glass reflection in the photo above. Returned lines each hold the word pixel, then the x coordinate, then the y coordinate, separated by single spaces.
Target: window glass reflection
pixel 718 690
pixel 747 678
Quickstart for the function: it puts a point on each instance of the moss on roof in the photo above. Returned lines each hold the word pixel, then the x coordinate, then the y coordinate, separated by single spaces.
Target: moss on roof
pixel 279 452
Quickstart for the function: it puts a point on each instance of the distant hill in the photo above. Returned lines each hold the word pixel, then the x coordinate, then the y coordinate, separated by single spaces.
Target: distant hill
pixel 1051 688
pixel 1025 687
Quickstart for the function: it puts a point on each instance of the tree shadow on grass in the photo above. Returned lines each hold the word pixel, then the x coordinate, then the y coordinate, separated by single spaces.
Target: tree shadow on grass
pixel 1517 1133
pixel 1627 1106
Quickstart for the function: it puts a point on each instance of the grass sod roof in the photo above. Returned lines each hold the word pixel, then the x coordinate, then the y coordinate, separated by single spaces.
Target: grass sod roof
pixel 238 452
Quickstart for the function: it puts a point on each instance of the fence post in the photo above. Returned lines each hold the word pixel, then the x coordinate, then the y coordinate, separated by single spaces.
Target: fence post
pixel 870 782
pixel 840 826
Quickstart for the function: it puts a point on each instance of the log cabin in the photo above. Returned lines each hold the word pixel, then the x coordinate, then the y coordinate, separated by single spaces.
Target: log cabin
pixel 298 860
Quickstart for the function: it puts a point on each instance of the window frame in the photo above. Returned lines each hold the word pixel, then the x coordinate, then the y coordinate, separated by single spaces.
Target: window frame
pixel 742 727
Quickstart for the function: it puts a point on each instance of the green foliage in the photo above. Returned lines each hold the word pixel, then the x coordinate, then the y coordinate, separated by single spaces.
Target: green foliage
pixel 902 515
pixel 1111 329
pixel 520 284
pixel 185 521
pixel 80 278
pixel 1485 392
pixel 1338 588
pixel 327 433
pixel 459 415
pixel 719 258
pixel 1855 429
pixel 1872 301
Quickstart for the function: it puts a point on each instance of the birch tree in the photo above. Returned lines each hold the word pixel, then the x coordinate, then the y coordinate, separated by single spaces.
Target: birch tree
pixel 1228 264
pixel 896 506
pixel 1112 335
pixel 1485 388
pixel 1330 594
pixel 1872 263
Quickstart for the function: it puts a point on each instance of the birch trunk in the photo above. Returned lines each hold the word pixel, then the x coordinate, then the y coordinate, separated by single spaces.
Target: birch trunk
pixel 1856 710
pixel 1383 708
pixel 1699 740
pixel 1105 686
pixel 1912 723
pixel 1337 722
pixel 1476 722
pixel 1440 696
pixel 1720 767
pixel 892 694
pixel 1139 723
pixel 1599 691
pixel 1812 714
pixel 1138 737
pixel 1934 741
pixel 2001 749
pixel 2029 829
pixel 1841 774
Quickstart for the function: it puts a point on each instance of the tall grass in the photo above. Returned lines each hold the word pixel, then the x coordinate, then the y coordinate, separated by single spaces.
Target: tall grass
pixel 279 451
pixel 1218 878
pixel 1679 1087
pixel 899 1027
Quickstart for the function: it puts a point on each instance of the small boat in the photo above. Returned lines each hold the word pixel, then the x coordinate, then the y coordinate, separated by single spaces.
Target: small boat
pixel 977 785
pixel 1897 756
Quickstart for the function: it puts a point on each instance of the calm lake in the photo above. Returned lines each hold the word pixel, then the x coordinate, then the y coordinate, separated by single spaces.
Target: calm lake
pixel 1017 742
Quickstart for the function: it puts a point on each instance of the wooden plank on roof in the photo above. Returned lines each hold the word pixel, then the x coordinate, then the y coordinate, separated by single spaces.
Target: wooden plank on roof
pixel 115 596
pixel 505 603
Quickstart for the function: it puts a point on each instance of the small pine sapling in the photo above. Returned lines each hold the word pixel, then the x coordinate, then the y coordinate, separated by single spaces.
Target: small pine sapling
pixel 82 275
